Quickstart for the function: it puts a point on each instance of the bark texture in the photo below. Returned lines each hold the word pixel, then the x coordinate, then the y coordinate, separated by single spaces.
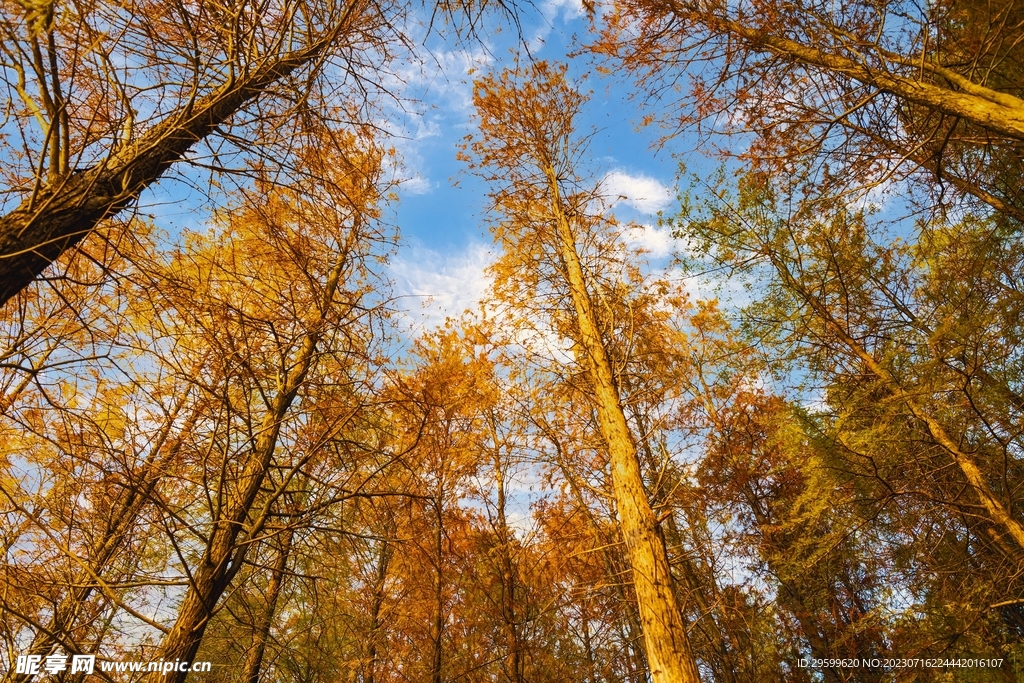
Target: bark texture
pixel 669 654
pixel 261 634
pixel 68 208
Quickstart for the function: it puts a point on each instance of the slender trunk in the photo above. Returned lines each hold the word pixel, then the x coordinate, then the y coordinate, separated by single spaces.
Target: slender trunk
pixel 699 586
pixel 793 595
pixel 611 559
pixel 224 554
pixel 383 562
pixel 254 660
pixel 509 585
pixel 998 513
pixel 438 631
pixel 704 592
pixel 668 649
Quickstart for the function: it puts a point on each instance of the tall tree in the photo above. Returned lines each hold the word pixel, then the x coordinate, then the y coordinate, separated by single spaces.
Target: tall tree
pixel 919 415
pixel 444 404
pixel 529 149
pixel 84 514
pixel 276 333
pixel 215 347
pixel 871 90
pixel 105 99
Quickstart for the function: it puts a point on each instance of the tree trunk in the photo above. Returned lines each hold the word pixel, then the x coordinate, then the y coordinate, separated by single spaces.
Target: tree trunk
pixel 588 647
pixel 383 563
pixel 998 513
pixel 69 207
pixel 611 559
pixel 668 649
pixel 699 586
pixel 509 586
pixel 254 659
pixel 224 555
pixel 438 631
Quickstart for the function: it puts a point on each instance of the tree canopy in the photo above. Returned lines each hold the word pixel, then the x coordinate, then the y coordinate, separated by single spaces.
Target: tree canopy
pixel 791 449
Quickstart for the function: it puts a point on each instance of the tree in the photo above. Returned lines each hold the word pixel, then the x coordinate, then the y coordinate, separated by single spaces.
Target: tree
pixel 441 413
pixel 278 358
pixel 106 99
pixel 798 519
pixel 910 347
pixel 903 327
pixel 865 88
pixel 233 332
pixel 528 148
pixel 84 517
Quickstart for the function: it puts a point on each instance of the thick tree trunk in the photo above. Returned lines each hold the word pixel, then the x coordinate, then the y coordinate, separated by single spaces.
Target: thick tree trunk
pixel 669 654
pixel 68 208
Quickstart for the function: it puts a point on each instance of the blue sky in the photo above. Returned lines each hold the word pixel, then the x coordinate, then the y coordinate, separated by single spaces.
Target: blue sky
pixel 445 248
pixel 441 212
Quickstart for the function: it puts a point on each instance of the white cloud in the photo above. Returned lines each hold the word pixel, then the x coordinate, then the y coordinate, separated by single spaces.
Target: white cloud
pixel 417 185
pixel 407 168
pixel 536 338
pixel 657 242
pixel 439 286
pixel 441 77
pixel 434 94
pixel 426 128
pixel 643 193
pixel 550 10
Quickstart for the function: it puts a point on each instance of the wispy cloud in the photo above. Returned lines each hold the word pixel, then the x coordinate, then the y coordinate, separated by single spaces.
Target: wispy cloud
pixel 417 184
pixel 550 11
pixel 441 77
pixel 657 242
pixel 435 96
pixel 438 286
pixel 644 193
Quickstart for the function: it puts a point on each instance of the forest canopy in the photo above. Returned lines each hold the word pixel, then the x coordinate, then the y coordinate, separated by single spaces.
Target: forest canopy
pixel 774 432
